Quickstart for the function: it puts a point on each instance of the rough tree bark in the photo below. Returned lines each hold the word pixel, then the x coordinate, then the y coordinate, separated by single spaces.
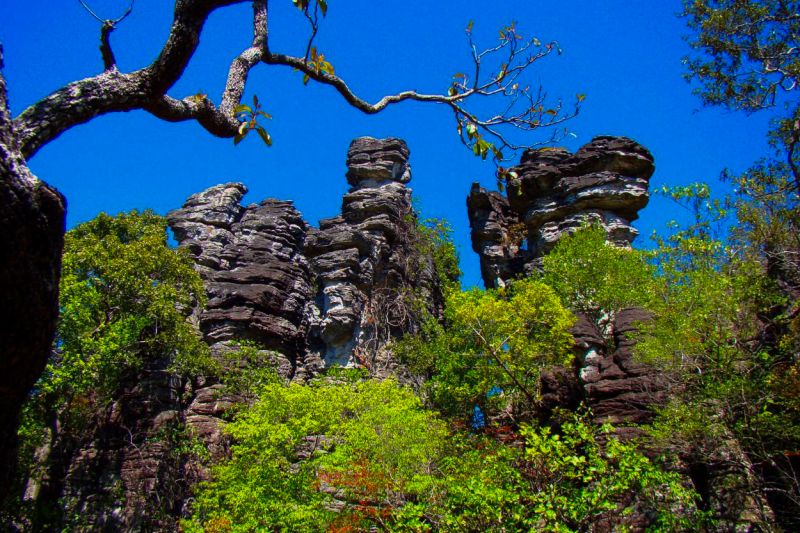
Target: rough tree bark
pixel 31 239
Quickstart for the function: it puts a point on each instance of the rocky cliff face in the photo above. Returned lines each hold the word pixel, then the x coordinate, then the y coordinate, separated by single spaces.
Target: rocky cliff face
pixel 305 298
pixel 553 194
pixel 313 296
pixel 556 192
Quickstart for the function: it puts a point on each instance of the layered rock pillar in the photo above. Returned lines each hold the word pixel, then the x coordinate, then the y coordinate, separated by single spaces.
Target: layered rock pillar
pixel 313 297
pixel 556 192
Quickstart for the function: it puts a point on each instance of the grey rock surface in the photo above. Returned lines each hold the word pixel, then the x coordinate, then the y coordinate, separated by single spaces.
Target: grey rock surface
pixel 555 193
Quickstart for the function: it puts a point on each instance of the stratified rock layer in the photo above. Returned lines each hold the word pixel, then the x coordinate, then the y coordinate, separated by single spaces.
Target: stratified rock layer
pixel 313 296
pixel 555 193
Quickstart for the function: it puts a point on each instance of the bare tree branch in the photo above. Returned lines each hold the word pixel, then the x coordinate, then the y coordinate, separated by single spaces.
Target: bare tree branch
pixel 112 90
pixel 80 101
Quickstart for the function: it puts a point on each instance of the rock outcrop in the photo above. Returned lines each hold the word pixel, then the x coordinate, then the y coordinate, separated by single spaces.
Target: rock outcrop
pixel 251 260
pixel 303 298
pixel 555 193
pixel 552 193
pixel 313 296
pixel 280 293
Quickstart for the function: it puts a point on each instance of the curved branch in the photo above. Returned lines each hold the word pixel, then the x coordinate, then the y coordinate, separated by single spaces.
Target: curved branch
pixel 193 108
pixel 80 101
pixel 109 61
pixel 350 97
pixel 111 91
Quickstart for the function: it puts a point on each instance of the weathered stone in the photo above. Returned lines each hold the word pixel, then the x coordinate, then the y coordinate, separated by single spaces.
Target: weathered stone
pixel 374 161
pixel 257 278
pixel 554 194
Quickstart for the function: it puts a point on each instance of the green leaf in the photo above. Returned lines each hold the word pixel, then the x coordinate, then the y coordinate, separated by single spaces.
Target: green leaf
pixel 306 77
pixel 242 108
pixel 264 135
pixel 238 138
pixel 323 6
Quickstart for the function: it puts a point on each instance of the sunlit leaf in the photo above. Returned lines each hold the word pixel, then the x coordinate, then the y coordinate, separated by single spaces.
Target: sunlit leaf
pixel 264 136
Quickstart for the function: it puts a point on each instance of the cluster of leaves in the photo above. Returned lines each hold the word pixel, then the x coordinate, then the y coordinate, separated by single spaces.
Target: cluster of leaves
pixel 722 329
pixel 748 50
pixel 597 278
pixel 301 448
pixel 320 64
pixel 747 60
pixel 493 348
pixel 248 118
pixel 435 241
pixel 124 298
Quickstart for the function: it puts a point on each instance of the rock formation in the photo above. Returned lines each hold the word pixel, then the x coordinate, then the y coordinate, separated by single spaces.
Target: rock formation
pixel 313 296
pixel 554 193
pixel 298 298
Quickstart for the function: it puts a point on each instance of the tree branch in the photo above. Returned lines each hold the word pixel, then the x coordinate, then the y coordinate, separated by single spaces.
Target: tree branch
pixel 109 61
pixel 80 101
pixel 111 91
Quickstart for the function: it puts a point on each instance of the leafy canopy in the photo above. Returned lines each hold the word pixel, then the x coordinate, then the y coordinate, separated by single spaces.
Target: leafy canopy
pixel 125 296
pixel 595 277
pixel 301 448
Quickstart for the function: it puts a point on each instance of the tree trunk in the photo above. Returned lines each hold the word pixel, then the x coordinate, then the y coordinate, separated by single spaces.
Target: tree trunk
pixel 31 241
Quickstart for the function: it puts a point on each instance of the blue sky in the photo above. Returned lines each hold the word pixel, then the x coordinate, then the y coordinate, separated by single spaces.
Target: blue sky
pixel 625 55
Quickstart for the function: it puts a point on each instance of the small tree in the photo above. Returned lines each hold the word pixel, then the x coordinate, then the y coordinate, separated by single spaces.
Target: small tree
pixel 597 278
pixel 494 346
pixel 124 299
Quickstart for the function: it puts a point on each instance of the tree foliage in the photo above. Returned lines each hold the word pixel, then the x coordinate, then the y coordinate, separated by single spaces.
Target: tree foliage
pixel 300 449
pixel 125 297
pixel 493 348
pixel 352 456
pixel 722 333
pixel 746 59
pixel 595 277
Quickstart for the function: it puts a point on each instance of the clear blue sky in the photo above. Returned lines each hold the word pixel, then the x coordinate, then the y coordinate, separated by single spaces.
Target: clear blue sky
pixel 625 55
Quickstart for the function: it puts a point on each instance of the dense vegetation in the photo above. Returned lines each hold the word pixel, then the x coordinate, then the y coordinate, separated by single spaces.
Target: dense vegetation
pixel 470 448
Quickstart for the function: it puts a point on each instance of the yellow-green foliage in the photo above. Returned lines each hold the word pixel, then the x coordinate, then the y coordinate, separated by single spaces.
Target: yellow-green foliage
pixel 369 444
pixel 391 465
pixel 493 347
pixel 594 277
